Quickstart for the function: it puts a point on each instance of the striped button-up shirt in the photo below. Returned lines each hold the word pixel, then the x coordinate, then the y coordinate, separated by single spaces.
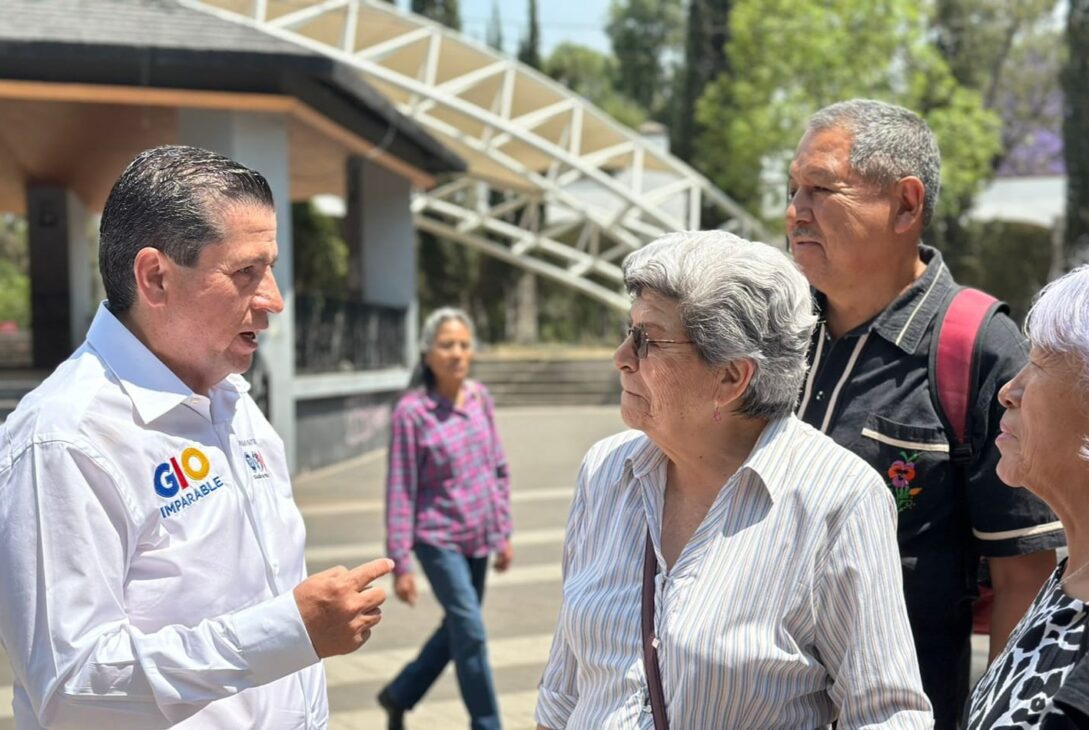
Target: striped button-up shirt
pixel 447 484
pixel 784 610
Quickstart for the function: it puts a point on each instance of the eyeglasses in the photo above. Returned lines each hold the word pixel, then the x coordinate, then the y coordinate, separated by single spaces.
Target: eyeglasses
pixel 640 342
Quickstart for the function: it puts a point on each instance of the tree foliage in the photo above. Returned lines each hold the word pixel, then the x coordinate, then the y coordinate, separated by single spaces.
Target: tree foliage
pixel 321 253
pixel 789 58
pixel 593 74
pixel 529 49
pixel 642 33
pixel 1009 51
pixel 447 12
pixel 706 35
pixel 493 36
pixel 14 271
pixel 1076 128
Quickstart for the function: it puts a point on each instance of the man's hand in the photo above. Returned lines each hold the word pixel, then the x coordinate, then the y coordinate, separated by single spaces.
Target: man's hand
pixel 504 557
pixel 339 607
pixel 405 588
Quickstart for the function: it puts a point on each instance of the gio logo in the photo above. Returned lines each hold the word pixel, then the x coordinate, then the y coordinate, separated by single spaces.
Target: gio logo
pixel 170 476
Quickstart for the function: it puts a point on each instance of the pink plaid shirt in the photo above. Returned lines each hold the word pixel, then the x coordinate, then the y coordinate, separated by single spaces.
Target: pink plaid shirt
pixel 448 484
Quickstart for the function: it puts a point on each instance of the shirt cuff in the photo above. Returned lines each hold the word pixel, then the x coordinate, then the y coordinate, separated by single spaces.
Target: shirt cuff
pixel 401 566
pixel 553 708
pixel 272 638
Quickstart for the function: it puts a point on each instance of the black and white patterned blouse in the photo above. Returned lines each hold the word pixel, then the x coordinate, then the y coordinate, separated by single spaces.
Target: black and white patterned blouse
pixel 1019 687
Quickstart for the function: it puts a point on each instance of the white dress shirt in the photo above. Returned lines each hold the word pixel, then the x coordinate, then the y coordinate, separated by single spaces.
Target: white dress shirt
pixel 784 610
pixel 148 551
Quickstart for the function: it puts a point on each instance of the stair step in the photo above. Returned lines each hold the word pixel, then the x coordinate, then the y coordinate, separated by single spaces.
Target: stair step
pixel 539 381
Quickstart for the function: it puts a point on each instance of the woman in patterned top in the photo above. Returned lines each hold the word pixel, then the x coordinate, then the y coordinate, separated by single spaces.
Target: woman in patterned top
pixel 1041 679
pixel 447 500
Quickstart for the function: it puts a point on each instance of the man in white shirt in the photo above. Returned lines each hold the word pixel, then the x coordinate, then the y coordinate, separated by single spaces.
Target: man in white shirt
pixel 151 555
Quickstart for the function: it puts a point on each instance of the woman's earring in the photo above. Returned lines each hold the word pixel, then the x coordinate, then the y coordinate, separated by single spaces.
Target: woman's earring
pixel 717 416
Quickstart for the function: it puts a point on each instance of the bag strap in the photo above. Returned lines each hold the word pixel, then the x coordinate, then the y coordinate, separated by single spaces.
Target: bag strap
pixel 954 366
pixel 650 643
pixel 954 383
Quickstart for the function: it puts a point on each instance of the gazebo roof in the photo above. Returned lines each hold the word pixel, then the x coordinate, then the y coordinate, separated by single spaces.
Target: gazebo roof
pixel 106 45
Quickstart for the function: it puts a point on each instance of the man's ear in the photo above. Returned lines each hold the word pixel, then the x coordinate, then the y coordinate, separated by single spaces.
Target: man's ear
pixel 910 196
pixel 153 272
pixel 734 380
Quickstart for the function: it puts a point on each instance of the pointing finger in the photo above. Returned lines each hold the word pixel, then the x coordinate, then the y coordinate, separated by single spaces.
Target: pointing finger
pixel 363 575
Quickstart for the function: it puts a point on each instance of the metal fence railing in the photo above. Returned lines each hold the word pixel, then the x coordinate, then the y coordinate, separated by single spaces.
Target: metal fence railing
pixel 335 335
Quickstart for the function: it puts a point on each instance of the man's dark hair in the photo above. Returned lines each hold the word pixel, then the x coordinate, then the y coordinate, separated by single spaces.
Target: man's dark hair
pixel 169 198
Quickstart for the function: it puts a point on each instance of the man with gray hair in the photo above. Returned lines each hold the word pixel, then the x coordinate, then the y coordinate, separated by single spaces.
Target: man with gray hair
pixel 151 555
pixel 864 183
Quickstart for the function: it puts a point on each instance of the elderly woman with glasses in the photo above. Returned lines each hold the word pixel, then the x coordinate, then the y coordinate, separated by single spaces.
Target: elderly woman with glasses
pixel 1041 679
pixel 725 565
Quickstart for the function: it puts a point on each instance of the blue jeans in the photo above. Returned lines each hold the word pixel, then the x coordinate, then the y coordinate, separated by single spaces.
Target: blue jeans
pixel 458 584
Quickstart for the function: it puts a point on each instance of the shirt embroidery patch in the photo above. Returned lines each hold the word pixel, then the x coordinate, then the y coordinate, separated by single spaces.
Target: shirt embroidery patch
pixel 184 480
pixel 901 474
pixel 257 464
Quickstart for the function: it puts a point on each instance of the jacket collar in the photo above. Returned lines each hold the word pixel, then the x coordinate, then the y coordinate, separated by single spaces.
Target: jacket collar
pixel 905 321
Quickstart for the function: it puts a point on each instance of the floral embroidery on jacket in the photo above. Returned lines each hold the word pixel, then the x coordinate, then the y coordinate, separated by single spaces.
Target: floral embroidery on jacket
pixel 901 473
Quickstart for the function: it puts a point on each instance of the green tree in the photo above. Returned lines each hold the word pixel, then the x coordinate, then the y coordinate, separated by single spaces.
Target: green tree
pixel 321 254
pixel 14 271
pixel 706 34
pixel 983 41
pixel 593 74
pixel 780 72
pixel 1076 127
pixel 1008 52
pixel 494 34
pixel 529 50
pixel 642 33
pixel 446 12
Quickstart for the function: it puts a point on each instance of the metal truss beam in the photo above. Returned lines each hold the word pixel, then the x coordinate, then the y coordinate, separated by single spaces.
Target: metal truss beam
pixel 606 189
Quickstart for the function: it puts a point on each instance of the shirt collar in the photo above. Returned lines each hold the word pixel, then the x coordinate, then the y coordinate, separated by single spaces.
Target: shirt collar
pixel 153 387
pixel 766 459
pixel 433 400
pixel 907 319
pixel 769 455
pixel 645 458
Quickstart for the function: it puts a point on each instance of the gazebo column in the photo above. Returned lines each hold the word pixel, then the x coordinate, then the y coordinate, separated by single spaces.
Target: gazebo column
pixel 60 272
pixel 380 234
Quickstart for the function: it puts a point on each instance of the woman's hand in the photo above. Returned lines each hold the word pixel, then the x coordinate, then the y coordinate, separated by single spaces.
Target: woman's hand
pixel 504 557
pixel 405 588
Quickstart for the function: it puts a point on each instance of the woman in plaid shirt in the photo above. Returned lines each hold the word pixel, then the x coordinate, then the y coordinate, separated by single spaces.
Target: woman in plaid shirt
pixel 447 500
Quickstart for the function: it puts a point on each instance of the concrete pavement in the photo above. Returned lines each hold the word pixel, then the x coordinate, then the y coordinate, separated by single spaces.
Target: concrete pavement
pixel 343 508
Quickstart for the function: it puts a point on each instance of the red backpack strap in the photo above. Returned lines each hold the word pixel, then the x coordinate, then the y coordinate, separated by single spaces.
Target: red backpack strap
pixel 955 365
